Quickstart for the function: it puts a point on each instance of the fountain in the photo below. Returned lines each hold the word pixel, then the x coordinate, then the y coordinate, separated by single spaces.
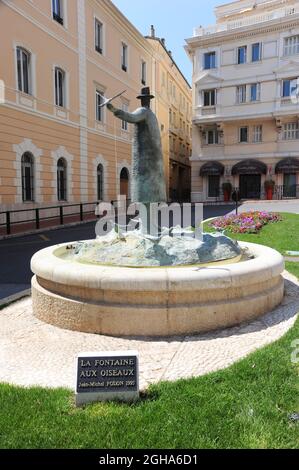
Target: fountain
pixel 135 284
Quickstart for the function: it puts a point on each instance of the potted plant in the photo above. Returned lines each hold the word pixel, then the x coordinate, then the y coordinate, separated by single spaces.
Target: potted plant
pixel 227 190
pixel 269 187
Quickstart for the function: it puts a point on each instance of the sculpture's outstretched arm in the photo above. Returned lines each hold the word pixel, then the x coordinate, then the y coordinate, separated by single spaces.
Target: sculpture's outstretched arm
pixel 133 118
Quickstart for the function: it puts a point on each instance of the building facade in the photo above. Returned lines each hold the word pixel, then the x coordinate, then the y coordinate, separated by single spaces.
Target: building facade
pixel 246 101
pixel 174 107
pixel 59 58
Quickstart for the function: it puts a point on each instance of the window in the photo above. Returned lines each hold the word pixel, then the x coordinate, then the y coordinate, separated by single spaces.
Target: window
pixel 27 163
pixel 213 185
pixel 124 124
pixel 256 52
pixel 241 94
pixel 255 92
pixel 291 45
pixel 99 108
pixel 59 87
pixel 209 60
pixel 209 97
pixel 57 11
pixel 243 134
pixel 289 87
pixel 257 134
pixel 61 179
pixel 290 131
pixel 124 57
pixel 143 72
pixel 23 70
pixel 100 182
pixel 242 55
pixel 170 117
pixel 98 36
pixel 212 137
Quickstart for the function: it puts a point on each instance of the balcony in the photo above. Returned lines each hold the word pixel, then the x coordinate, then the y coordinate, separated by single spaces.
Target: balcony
pixel 246 21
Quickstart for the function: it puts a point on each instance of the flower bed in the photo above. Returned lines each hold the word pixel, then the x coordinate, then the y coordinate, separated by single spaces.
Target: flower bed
pixel 246 222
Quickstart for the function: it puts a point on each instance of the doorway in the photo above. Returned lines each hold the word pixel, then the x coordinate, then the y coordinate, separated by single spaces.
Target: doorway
pixel 289 185
pixel 124 182
pixel 250 186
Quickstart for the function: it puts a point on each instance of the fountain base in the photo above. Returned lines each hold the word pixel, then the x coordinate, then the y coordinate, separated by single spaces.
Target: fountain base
pixel 163 301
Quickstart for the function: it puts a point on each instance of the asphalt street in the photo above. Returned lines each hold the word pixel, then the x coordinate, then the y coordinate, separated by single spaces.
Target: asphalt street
pixel 16 252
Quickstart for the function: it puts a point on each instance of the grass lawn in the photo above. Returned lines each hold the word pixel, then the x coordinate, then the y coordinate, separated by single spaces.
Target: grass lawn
pixel 245 406
pixel 282 236
pixel 293 268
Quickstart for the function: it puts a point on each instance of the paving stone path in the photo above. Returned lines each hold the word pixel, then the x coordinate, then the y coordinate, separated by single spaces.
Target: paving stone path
pixel 34 353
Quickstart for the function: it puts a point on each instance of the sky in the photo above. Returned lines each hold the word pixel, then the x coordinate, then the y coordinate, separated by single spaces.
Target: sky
pixel 174 20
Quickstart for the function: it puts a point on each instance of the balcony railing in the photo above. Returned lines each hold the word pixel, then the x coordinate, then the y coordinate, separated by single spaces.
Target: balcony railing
pixel 248 21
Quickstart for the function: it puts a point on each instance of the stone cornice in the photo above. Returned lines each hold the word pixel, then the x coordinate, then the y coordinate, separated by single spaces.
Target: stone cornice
pixel 247 31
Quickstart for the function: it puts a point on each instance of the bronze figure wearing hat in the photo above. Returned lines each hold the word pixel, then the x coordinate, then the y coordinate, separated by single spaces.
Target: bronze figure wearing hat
pixel 148 179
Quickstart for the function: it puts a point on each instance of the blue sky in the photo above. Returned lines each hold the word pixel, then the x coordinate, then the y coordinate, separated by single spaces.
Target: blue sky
pixel 174 20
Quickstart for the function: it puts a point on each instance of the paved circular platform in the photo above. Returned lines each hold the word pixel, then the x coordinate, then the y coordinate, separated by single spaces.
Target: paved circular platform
pixel 35 353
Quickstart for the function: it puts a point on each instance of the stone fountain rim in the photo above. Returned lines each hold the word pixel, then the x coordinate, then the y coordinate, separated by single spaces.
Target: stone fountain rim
pixel 266 264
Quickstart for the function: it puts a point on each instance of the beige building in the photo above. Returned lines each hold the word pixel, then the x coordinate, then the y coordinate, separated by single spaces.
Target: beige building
pixel 58 59
pixel 245 100
pixel 173 107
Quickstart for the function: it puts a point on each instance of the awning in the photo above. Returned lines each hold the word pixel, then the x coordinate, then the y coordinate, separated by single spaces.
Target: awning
pixel 249 167
pixel 212 168
pixel 287 165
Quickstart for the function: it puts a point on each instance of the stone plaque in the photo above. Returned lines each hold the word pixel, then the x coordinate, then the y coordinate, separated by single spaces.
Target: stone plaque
pixel 107 376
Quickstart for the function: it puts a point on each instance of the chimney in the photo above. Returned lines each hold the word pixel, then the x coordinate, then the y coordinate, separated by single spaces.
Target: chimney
pixel 163 41
pixel 153 33
pixel 170 53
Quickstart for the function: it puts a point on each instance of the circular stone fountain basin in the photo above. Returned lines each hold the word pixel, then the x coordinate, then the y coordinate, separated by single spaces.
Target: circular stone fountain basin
pixel 159 301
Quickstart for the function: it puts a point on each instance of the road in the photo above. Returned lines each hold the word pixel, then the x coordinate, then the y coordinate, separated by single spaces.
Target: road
pixel 15 253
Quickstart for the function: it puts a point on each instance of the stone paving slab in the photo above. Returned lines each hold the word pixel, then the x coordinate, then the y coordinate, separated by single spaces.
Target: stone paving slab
pixel 35 353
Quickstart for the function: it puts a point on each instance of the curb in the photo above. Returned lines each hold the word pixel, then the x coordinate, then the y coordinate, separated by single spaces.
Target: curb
pixel 14 297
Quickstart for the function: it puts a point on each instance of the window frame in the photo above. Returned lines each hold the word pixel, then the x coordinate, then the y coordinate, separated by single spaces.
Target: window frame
pixel 62 192
pixel 238 55
pixel 209 93
pixel 124 56
pixel 124 124
pixel 100 114
pixel 98 38
pixel 22 52
pixel 31 188
pixel 290 80
pixel 60 93
pixel 287 49
pixel 58 14
pixel 215 137
pixel 239 94
pixel 210 54
pixel 143 72
pixel 100 188
pixel 258 92
pixel 240 135
pixel 260 52
pixel 257 134
pixel 290 131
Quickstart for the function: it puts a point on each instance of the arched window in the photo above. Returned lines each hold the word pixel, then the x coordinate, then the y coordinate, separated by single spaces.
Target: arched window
pixel 27 177
pixel 61 180
pixel 124 182
pixel 100 182
pixel 23 68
